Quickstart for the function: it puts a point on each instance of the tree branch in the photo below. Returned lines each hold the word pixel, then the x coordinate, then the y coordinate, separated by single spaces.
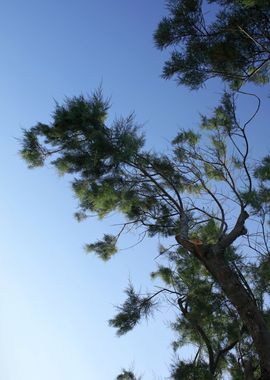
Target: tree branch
pixel 238 230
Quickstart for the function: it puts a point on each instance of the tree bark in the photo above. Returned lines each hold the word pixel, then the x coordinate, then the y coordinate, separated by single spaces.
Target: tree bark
pixel 212 257
pixel 244 304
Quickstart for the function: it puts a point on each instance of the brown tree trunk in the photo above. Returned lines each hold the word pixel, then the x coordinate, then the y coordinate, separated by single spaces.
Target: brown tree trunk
pixel 251 316
pixel 213 259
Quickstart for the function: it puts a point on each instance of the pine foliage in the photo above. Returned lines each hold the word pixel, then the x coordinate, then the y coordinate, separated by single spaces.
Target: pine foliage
pixel 232 43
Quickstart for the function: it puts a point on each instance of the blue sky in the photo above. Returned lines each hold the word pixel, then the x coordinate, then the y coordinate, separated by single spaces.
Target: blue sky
pixel 55 300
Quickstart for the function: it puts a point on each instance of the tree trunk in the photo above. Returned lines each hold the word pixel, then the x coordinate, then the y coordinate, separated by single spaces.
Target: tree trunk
pixel 213 259
pixel 251 316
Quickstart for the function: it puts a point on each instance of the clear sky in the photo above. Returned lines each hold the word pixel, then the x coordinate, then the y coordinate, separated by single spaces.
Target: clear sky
pixel 55 300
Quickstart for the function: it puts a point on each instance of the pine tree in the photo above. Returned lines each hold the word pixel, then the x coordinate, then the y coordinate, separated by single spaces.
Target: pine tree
pixel 203 193
pixel 201 197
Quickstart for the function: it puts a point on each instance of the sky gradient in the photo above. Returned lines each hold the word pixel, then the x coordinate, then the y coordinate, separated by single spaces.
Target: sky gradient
pixel 56 300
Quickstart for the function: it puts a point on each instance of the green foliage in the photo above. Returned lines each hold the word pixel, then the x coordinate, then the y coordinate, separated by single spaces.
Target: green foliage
pixel 190 371
pixel 259 198
pixel 224 119
pixel 133 309
pixel 209 233
pixel 127 375
pixel 231 44
pixel 262 273
pixel 111 171
pixel 164 273
pixel 235 369
pixel 203 307
pixel 263 170
pixel 186 137
pixel 213 172
pixel 32 151
pixel 252 198
pixel 105 248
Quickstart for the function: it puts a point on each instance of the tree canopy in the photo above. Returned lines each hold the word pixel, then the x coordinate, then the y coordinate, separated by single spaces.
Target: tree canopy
pixel 187 194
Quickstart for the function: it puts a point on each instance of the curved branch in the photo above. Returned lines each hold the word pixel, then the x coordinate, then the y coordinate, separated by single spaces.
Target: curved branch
pixel 238 230
pixel 224 351
pixel 202 334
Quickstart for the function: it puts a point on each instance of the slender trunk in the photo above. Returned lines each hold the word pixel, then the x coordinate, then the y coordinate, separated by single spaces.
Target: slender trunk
pixel 251 316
